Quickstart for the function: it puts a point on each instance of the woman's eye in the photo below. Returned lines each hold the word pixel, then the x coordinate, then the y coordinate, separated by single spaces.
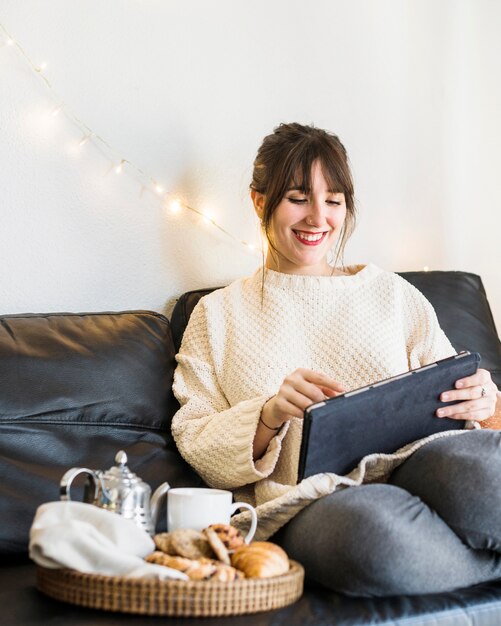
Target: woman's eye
pixel 295 200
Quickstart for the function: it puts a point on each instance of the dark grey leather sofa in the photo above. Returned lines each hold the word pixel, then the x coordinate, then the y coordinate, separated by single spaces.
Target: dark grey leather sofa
pixel 75 388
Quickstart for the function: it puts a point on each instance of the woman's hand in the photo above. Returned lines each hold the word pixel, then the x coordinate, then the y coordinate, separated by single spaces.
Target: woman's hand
pixel 477 394
pixel 297 391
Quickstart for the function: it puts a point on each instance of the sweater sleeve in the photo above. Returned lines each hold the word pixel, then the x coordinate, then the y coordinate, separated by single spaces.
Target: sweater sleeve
pixel 426 341
pixel 430 343
pixel 216 439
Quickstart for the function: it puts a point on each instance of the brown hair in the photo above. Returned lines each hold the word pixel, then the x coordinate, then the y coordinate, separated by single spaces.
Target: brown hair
pixel 286 157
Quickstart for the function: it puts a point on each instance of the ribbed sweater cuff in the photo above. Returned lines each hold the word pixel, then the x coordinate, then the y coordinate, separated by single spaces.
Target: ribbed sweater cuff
pixel 245 469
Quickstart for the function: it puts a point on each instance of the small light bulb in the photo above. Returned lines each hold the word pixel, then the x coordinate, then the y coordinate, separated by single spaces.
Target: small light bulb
pixel 10 41
pixel 119 167
pixel 42 67
pixel 84 140
pixel 207 217
pixel 159 188
pixel 426 268
pixel 251 246
pixel 56 110
pixel 175 206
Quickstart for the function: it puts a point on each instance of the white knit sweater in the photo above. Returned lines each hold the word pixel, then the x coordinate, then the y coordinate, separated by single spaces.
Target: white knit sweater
pixel 240 343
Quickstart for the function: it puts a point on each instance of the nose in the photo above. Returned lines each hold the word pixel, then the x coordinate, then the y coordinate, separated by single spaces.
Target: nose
pixel 316 213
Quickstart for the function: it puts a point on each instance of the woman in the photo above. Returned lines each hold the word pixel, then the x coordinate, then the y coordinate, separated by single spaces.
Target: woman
pixel 257 353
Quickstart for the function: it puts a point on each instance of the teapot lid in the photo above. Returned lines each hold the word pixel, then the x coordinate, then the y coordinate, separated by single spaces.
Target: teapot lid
pixel 120 473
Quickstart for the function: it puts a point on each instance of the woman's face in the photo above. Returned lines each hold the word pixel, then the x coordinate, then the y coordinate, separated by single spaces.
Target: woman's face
pixel 304 227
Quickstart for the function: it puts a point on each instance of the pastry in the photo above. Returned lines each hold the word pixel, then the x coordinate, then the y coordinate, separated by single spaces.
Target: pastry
pixel 229 535
pixel 200 569
pixel 189 543
pixel 176 562
pixel 163 542
pixel 260 559
pixel 217 545
pixel 196 569
pixel 226 573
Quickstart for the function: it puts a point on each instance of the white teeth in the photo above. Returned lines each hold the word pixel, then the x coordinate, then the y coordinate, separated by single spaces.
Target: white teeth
pixel 315 237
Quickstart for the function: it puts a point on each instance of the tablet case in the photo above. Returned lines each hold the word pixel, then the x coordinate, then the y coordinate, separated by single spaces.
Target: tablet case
pixel 381 417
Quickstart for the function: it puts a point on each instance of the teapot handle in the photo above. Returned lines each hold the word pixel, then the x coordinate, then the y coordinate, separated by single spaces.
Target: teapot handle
pixel 70 475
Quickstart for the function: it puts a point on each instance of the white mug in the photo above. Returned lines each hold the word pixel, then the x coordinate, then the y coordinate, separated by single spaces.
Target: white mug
pixel 197 508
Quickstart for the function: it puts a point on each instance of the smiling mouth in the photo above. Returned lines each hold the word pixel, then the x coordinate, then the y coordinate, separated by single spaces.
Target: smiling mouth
pixel 309 239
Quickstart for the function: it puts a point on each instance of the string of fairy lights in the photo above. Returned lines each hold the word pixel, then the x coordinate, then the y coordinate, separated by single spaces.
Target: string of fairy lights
pixel 121 164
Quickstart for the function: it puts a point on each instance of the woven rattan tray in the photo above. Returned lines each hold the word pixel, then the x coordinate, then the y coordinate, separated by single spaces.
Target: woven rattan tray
pixel 172 597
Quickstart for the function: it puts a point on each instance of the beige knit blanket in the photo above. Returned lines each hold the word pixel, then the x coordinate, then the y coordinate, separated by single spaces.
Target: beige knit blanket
pixel 373 468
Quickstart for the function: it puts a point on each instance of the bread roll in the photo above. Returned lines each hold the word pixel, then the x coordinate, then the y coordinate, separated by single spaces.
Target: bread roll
pixel 260 559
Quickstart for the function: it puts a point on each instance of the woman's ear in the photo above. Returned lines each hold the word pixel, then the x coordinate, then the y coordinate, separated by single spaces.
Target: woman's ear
pixel 258 201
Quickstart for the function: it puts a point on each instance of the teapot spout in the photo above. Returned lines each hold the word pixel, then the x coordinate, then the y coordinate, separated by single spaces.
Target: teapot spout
pixel 156 500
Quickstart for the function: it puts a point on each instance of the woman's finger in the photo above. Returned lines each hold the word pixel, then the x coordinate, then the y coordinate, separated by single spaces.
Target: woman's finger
pixel 480 378
pixel 307 389
pixel 289 402
pixel 300 389
pixel 284 410
pixel 321 380
pixel 469 393
pixel 330 393
pixel 477 410
pixel 296 398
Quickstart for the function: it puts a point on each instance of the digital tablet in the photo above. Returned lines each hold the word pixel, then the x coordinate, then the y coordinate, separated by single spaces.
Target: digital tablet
pixel 381 417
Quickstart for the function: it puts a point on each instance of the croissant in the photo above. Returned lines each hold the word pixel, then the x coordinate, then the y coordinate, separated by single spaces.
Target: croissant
pixel 260 559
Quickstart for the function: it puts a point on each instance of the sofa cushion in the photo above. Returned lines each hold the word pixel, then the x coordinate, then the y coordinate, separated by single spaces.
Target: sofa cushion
pixel 464 313
pixel 75 389
pixel 459 300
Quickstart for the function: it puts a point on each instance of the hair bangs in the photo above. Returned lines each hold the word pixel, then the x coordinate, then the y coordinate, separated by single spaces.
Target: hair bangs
pixel 300 169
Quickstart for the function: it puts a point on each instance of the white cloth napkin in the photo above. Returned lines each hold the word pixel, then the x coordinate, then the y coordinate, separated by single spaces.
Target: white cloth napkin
pixel 88 539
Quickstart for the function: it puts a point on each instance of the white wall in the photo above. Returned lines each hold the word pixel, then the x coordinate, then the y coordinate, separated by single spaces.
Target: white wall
pixel 186 89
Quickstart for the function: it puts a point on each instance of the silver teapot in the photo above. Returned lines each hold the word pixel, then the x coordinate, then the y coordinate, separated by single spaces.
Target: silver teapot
pixel 120 491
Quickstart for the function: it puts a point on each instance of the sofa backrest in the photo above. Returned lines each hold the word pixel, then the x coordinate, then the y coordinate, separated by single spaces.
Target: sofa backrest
pixel 459 300
pixel 75 389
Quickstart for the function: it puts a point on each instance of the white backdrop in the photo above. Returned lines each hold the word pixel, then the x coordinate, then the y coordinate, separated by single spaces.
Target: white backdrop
pixel 186 89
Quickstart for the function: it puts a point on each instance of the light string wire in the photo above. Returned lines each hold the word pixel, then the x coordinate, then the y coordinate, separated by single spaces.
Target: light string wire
pixel 90 136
